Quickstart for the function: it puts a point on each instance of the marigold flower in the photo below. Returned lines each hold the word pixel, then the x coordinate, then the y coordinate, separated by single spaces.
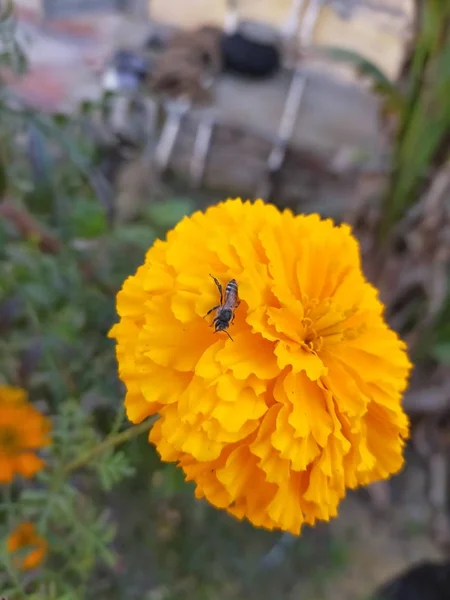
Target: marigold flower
pixel 23 430
pixel 25 536
pixel 303 403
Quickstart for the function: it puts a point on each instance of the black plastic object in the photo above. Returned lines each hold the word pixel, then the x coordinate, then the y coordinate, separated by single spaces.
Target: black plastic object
pixel 424 581
pixel 248 57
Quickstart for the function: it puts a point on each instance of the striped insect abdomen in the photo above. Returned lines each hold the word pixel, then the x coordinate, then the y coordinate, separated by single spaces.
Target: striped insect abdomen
pixel 231 294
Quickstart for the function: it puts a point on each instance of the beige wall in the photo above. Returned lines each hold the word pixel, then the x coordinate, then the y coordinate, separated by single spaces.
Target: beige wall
pixel 190 13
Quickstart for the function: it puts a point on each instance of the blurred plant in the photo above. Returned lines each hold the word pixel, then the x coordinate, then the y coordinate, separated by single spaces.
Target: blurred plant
pixel 55 528
pixel 23 430
pixel 416 110
pixel 62 260
pixel 422 137
pixel 12 54
pixel 25 536
pixel 56 306
pixel 441 345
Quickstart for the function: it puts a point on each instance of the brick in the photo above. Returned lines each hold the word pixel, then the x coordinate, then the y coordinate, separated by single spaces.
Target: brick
pixel 42 88
pixel 28 15
pixel 72 28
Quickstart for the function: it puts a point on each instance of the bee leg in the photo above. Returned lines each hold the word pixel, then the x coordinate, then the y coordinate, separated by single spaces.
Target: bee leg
pixel 219 287
pixel 228 335
pixel 210 311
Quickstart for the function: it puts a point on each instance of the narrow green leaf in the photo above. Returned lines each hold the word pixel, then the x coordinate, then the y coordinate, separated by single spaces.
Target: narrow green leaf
pixel 441 352
pixel 364 67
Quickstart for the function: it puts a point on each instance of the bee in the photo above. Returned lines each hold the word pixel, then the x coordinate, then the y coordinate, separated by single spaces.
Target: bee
pixel 227 306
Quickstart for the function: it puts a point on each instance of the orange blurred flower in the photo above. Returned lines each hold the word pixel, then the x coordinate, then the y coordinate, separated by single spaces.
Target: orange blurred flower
pixel 23 430
pixel 25 536
pixel 303 403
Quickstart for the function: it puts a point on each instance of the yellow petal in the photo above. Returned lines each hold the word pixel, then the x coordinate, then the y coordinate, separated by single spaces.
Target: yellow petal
pixel 233 416
pixel 309 411
pixel 250 354
pixel 300 359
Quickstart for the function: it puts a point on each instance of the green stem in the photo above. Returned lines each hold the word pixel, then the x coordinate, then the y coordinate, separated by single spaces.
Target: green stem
pixel 19 590
pixel 110 442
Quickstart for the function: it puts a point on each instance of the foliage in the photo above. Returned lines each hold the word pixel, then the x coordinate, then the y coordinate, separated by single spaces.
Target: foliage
pixel 78 530
pixel 440 345
pixel 424 122
pixel 11 52
pixel 420 106
pixel 120 524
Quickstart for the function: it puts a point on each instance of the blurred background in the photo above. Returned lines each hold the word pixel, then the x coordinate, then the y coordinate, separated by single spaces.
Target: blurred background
pixel 119 117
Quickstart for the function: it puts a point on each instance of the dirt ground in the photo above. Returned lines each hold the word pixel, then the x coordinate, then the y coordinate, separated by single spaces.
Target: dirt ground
pixel 187 549
pixel 379 546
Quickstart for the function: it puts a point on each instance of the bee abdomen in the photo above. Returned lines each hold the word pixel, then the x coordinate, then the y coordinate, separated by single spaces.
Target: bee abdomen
pixel 232 287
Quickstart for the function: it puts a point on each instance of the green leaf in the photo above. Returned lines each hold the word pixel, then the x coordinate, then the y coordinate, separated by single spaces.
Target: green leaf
pixel 172 482
pixel 38 294
pixel 441 352
pixel 3 180
pixel 33 496
pixel 67 323
pixel 88 219
pixel 141 236
pixel 165 215
pixel 112 469
pixel 41 198
pixel 364 66
pixel 381 83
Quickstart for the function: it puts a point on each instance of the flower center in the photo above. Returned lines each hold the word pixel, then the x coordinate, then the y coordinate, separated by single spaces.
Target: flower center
pixel 9 440
pixel 312 340
pixel 325 323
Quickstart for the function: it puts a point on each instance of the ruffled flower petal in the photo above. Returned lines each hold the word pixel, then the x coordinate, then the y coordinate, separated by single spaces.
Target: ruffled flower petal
pixel 304 402
pixel 23 431
pixel 26 537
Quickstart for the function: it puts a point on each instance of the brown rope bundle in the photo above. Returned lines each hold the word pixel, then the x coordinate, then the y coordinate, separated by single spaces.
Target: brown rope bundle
pixel 203 45
pixel 187 67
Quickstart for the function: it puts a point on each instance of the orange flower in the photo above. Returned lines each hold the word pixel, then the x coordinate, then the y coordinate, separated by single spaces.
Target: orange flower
pixel 22 431
pixel 25 536
pixel 304 402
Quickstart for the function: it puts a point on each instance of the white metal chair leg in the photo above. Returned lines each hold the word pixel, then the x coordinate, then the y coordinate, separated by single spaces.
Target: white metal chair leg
pixel 164 148
pixel 288 120
pixel 297 87
pixel 290 26
pixel 309 21
pixel 231 17
pixel 201 147
pixel 298 84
